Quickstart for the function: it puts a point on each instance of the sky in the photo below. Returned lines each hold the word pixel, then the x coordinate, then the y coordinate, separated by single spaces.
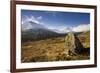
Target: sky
pixel 60 21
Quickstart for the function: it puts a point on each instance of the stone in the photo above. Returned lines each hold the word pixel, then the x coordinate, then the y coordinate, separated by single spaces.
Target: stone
pixel 73 45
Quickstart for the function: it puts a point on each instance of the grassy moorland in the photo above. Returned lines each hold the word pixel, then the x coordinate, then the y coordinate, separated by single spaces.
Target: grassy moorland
pixel 52 49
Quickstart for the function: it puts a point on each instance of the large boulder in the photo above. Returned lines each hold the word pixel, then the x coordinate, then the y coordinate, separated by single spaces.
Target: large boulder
pixel 73 45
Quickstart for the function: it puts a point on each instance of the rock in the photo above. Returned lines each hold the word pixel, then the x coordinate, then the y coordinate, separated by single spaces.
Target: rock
pixel 72 44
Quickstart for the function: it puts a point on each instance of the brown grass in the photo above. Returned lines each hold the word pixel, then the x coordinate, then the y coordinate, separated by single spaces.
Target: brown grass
pixel 47 50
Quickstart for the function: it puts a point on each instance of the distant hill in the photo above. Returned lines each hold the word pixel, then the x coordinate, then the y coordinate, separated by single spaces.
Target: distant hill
pixel 38 34
pixel 34 31
pixel 31 31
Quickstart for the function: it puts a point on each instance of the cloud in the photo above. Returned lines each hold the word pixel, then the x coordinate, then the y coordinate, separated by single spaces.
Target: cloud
pixel 82 27
pixel 39 18
pixel 61 29
pixel 32 19
pixel 65 29
pixel 58 29
pixel 26 19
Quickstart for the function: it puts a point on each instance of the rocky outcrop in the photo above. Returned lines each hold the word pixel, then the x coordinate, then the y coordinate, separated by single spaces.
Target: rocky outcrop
pixel 73 46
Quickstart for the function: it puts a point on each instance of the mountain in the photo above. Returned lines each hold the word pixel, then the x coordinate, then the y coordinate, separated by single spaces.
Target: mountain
pixel 38 34
pixel 33 31
pixel 31 25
